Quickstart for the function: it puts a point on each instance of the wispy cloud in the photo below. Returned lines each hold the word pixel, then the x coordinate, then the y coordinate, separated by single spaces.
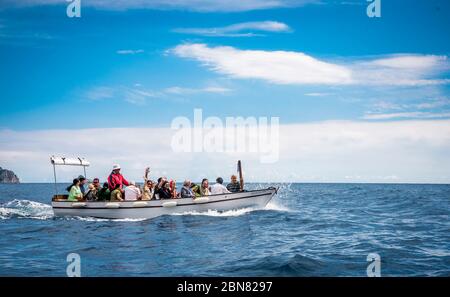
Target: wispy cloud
pixel 14 34
pixel 425 104
pixel 139 95
pixel 407 115
pixel 129 52
pixel 237 30
pixel 444 102
pixel 290 67
pixel 316 94
pixel 135 95
pixel 403 70
pixel 183 91
pixel 196 5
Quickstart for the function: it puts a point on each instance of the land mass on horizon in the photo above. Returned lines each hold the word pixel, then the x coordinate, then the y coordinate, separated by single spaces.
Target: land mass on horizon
pixel 8 177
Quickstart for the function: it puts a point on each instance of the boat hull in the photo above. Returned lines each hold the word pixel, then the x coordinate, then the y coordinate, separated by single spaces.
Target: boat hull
pixel 149 209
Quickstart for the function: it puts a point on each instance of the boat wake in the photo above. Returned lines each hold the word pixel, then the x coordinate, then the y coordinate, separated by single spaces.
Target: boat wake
pixel 273 206
pixel 25 209
pixel 215 213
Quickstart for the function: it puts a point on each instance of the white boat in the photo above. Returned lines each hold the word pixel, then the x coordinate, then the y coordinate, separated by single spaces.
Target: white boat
pixel 153 208
pixel 141 209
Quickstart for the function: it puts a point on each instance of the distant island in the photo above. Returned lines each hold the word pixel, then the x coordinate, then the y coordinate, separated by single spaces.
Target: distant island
pixel 8 177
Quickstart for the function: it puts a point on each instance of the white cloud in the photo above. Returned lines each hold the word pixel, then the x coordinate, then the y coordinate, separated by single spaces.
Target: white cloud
pixel 193 5
pixel 410 62
pixel 317 94
pixel 434 104
pixel 384 105
pixel 136 96
pixel 183 91
pixel 409 115
pixel 436 108
pixel 129 52
pixel 403 70
pixel 139 95
pixel 289 67
pixel 279 67
pixel 336 151
pixel 237 30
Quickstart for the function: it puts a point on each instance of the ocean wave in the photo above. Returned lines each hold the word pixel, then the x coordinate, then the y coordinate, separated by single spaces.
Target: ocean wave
pixel 25 209
pixel 296 265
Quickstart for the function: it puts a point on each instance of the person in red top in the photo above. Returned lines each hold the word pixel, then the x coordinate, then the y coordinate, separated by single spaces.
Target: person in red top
pixel 115 178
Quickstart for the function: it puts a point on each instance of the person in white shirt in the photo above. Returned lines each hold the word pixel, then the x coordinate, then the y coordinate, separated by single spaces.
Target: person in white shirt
pixel 132 192
pixel 218 187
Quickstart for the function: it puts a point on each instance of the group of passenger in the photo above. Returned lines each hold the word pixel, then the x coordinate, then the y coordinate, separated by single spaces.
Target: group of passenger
pixel 117 188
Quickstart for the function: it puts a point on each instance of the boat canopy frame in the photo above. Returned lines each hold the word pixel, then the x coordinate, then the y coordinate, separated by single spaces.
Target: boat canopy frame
pixel 64 161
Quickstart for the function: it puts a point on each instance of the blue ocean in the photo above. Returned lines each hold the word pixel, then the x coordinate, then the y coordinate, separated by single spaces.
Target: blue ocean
pixel 307 230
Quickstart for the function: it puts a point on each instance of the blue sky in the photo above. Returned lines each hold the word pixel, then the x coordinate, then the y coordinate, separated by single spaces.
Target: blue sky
pixel 51 63
pixel 129 65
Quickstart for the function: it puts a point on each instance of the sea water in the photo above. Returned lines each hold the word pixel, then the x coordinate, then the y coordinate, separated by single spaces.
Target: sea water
pixel 306 230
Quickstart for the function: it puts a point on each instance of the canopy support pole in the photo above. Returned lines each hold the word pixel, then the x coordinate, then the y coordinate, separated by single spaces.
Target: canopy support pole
pixel 54 174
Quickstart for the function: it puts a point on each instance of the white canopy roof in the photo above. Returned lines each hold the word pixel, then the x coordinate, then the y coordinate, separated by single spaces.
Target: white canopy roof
pixel 69 161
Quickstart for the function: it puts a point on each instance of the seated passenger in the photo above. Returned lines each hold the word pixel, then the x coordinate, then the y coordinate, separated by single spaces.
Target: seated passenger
pixel 234 185
pixel 196 189
pixel 116 194
pixel 91 195
pixel 96 183
pixel 83 181
pixel 218 187
pixel 173 189
pixel 132 192
pixel 164 191
pixel 74 191
pixel 186 191
pixel 204 188
pixel 104 193
pixel 148 190
pixel 158 186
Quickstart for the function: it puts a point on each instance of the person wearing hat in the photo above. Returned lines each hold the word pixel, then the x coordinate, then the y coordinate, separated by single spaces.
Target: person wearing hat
pixel 116 179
